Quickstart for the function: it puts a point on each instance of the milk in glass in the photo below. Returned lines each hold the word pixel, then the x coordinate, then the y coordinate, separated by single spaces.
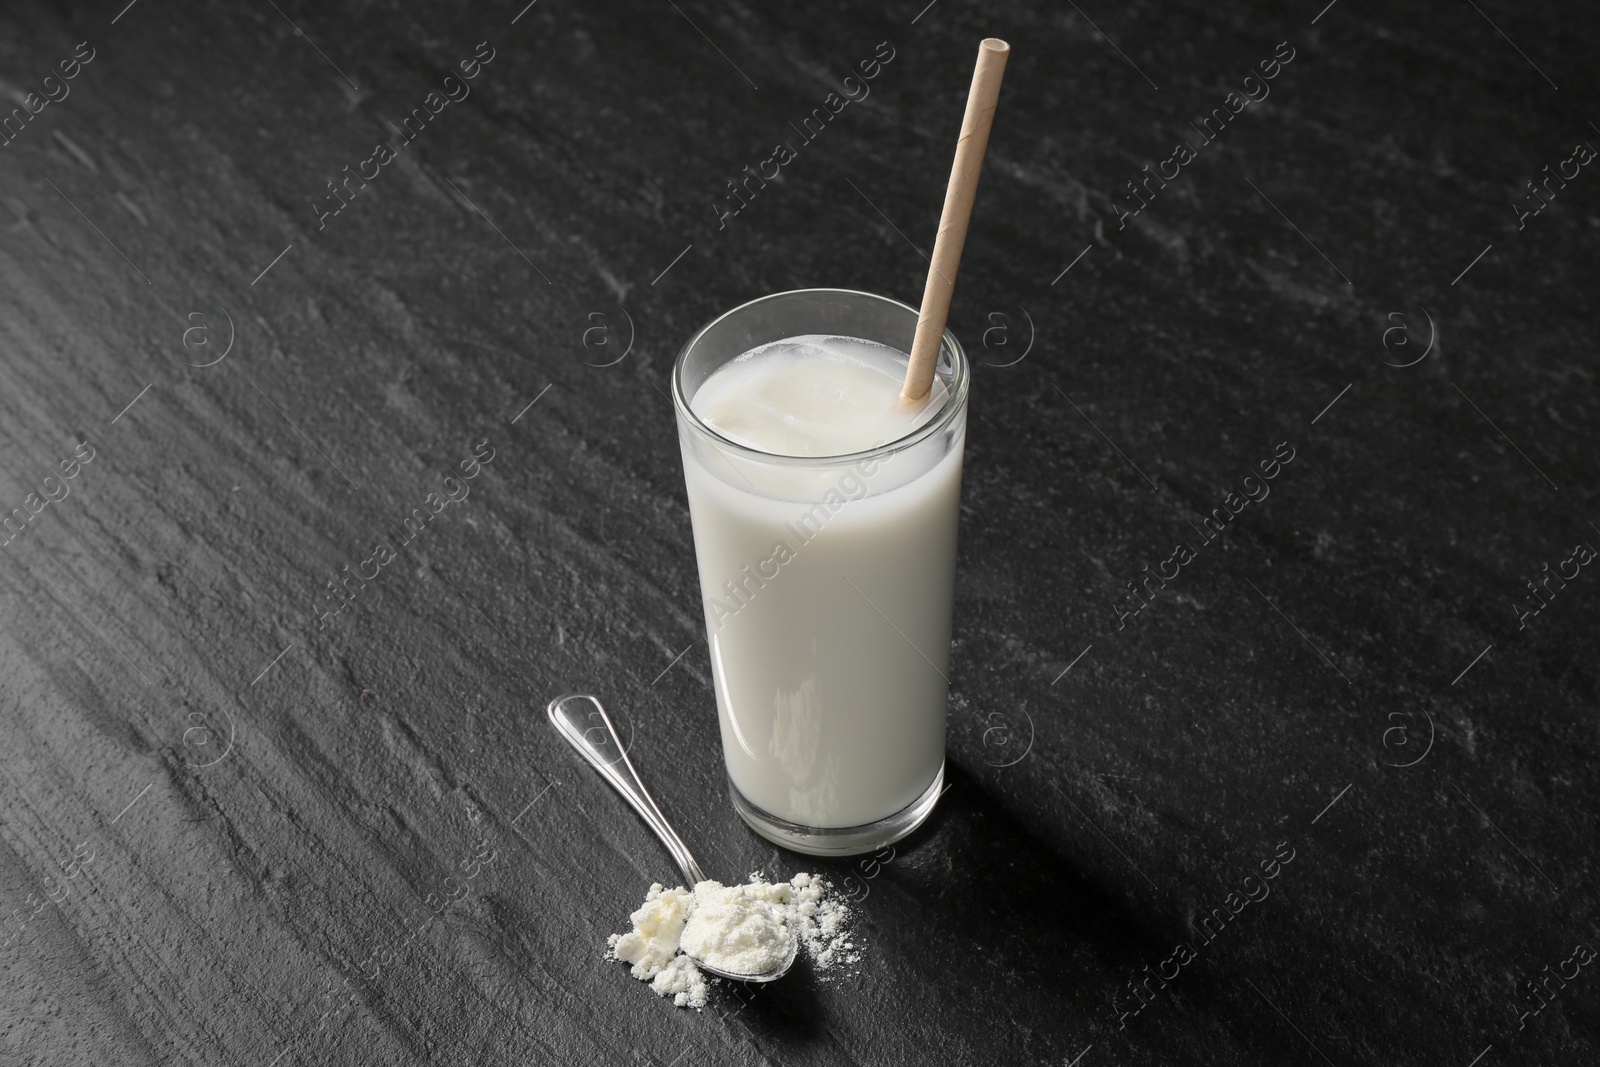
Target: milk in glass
pixel 827 584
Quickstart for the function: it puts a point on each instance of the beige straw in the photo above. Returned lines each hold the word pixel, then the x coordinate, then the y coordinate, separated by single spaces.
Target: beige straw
pixel 958 197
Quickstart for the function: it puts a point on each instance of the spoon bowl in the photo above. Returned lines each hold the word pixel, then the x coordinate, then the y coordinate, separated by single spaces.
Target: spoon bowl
pixel 580 718
pixel 777 972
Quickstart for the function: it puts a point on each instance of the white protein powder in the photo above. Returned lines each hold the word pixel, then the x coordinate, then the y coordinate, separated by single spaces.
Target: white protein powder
pixel 744 928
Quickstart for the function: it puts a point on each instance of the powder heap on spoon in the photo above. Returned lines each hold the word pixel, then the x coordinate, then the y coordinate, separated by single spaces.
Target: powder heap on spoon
pixel 743 928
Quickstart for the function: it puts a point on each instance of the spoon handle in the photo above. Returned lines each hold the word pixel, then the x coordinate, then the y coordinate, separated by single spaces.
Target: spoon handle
pixel 581 719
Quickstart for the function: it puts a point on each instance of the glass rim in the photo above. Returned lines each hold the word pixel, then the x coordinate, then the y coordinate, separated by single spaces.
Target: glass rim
pixel 953 405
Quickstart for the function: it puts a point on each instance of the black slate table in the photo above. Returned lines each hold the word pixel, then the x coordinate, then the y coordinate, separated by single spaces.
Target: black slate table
pixel 1324 793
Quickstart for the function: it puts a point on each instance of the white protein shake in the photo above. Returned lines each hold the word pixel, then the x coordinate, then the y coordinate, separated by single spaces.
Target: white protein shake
pixel 827 587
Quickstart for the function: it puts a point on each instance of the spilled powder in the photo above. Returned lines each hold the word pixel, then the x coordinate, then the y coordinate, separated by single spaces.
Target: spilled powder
pixel 743 928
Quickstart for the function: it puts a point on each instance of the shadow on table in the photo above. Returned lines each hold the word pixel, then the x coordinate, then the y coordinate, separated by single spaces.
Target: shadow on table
pixel 977 897
pixel 996 883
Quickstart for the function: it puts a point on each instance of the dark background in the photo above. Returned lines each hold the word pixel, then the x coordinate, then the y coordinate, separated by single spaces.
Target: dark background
pixel 225 829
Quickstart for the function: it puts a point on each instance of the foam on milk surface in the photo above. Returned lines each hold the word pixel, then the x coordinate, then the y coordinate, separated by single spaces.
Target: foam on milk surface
pixel 814 395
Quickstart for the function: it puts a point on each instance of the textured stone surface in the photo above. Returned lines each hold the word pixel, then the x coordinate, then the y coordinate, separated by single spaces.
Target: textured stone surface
pixel 226 828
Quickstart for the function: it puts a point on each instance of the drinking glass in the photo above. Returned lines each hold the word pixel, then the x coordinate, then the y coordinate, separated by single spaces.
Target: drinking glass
pixel 827 584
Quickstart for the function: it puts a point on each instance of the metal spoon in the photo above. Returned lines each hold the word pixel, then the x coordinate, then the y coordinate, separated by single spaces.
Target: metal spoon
pixel 580 718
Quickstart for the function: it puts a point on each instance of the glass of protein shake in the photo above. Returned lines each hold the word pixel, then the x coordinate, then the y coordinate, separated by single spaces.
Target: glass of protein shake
pixel 824 512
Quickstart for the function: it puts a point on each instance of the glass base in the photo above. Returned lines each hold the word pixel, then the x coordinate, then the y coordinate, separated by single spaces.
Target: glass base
pixel 838 841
